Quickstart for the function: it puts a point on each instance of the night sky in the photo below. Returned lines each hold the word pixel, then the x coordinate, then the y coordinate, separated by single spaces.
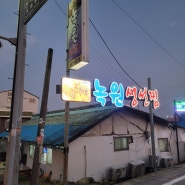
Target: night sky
pixel 129 41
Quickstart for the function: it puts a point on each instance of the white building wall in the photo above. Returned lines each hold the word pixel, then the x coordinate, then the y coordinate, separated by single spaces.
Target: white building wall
pixel 57 164
pixel 100 154
pixel 30 102
pixel 99 145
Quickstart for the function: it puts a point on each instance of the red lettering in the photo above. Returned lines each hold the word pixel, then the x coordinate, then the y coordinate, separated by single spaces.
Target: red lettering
pixel 132 92
pixel 142 95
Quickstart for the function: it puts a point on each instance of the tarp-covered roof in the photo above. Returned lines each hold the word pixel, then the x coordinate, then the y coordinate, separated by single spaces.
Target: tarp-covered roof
pixel 53 134
pixel 80 120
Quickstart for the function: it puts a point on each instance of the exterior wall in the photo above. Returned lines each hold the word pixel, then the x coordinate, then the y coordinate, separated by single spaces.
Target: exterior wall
pixel 30 105
pixel 5 100
pixel 93 153
pixel 30 102
pixel 57 164
pixel 181 139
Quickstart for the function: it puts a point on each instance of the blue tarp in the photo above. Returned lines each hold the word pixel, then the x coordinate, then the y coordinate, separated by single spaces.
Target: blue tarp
pixel 3 134
pixel 53 134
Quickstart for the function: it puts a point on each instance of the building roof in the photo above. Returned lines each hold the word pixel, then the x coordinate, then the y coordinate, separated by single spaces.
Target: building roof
pixel 53 134
pixel 6 114
pixel 80 120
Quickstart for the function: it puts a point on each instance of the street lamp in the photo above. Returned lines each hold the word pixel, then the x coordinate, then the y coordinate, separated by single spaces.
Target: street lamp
pixel 13 41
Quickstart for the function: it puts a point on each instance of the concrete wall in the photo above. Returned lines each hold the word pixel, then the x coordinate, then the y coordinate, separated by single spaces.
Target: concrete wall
pixel 30 102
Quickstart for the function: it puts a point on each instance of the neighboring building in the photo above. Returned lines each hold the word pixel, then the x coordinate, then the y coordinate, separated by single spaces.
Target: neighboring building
pixel 104 143
pixel 30 107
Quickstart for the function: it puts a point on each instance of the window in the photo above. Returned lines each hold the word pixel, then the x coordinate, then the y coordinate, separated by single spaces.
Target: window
pixel 31 151
pixel 31 100
pixel 121 143
pixel 163 144
pixel 9 93
pixel 46 157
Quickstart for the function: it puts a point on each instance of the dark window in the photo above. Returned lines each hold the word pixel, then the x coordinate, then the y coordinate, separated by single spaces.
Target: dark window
pixel 31 100
pixel 9 93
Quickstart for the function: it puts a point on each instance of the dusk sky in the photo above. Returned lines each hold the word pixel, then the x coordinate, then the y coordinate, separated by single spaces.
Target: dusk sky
pixel 146 37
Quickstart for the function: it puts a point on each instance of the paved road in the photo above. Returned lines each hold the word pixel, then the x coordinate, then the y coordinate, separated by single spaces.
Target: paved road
pixel 177 181
pixel 182 182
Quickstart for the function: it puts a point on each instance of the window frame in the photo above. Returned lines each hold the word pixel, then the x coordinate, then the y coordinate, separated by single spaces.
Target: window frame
pixel 121 148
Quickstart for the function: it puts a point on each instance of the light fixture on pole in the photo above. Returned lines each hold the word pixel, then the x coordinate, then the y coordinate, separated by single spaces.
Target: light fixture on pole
pixel 13 41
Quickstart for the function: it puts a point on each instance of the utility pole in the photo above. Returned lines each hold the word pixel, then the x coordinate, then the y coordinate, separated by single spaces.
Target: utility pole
pixel 66 132
pixel 152 130
pixel 41 124
pixel 13 145
pixel 177 139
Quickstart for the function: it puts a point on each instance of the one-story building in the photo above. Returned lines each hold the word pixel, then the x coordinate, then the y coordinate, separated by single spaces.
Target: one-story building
pixel 104 143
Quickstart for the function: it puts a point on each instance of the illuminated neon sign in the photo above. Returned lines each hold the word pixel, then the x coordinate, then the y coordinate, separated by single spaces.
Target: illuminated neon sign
pixel 117 94
pixel 180 106
pixel 75 90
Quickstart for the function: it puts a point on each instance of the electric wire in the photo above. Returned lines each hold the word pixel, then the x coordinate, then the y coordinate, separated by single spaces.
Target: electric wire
pixel 61 9
pixel 149 35
pixel 113 54
pixel 107 65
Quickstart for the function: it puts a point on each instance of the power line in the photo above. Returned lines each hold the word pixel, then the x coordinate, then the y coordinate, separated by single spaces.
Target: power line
pixel 113 54
pixel 149 35
pixel 61 9
pixel 98 54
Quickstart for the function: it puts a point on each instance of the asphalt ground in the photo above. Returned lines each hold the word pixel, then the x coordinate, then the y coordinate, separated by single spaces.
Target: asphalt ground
pixel 164 176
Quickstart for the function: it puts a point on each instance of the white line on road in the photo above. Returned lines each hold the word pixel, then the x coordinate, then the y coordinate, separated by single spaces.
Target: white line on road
pixel 175 180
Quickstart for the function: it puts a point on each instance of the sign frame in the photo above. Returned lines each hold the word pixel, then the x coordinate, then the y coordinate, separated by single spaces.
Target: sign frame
pixel 31 7
pixel 75 90
pixel 77 35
